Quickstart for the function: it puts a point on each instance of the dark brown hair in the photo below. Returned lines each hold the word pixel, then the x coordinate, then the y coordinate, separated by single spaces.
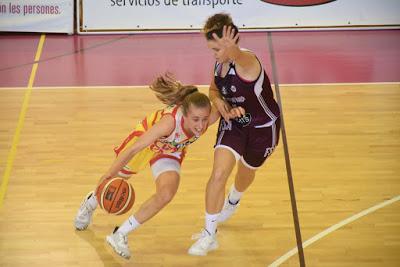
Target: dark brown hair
pixel 216 23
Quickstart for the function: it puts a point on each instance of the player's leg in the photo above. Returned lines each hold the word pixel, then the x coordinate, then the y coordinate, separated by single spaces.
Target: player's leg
pixel 166 187
pixel 224 161
pixel 166 173
pixel 89 204
pixel 262 142
pixel 243 179
pixel 228 148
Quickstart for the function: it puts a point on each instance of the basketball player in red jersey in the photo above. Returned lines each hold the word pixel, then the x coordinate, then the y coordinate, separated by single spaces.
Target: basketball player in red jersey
pixel 238 80
pixel 160 140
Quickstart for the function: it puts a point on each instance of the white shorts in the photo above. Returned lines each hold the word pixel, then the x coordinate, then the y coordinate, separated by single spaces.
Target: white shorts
pixel 163 165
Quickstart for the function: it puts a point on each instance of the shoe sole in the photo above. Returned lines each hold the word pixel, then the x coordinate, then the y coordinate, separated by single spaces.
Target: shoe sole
pixel 110 241
pixel 82 227
pixel 193 253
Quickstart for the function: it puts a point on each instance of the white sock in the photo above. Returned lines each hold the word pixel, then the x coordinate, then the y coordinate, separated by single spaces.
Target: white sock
pixel 92 200
pixel 129 225
pixel 211 223
pixel 234 195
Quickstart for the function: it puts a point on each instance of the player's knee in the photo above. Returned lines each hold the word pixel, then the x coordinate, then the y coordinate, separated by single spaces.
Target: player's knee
pixel 219 176
pixel 166 195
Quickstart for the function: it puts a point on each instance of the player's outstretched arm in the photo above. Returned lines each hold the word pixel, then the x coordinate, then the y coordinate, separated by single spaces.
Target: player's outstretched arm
pixel 229 47
pixel 162 128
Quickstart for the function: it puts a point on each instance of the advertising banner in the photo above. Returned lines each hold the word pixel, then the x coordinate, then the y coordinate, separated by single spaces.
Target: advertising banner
pixel 37 15
pixel 186 15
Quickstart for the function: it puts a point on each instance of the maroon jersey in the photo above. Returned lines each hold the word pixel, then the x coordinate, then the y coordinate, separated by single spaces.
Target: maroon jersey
pixel 256 97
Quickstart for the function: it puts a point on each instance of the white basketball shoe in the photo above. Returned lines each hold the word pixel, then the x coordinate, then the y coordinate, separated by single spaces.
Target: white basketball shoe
pixel 119 242
pixel 227 211
pixel 85 213
pixel 205 243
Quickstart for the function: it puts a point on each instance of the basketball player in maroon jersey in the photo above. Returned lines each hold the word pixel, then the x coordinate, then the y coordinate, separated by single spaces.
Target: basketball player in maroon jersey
pixel 238 80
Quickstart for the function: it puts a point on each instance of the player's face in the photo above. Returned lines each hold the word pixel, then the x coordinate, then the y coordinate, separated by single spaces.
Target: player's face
pixel 217 52
pixel 196 120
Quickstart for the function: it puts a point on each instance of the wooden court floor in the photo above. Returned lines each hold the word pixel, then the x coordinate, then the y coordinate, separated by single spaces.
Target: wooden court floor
pixel 344 145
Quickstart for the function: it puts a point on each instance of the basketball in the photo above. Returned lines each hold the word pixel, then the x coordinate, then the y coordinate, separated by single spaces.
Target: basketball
pixel 115 196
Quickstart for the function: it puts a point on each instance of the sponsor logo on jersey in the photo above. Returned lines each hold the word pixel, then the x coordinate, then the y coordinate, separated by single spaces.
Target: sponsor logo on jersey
pixel 224 91
pixel 269 151
pixel 225 125
pixel 186 143
pixel 244 120
pixel 239 99
pixel 164 146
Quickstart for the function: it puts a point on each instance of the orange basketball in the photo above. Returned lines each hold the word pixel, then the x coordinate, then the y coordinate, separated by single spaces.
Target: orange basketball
pixel 115 196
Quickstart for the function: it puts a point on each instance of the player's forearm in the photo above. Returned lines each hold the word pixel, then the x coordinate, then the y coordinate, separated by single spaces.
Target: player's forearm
pixel 123 158
pixel 214 115
pixel 118 164
pixel 213 94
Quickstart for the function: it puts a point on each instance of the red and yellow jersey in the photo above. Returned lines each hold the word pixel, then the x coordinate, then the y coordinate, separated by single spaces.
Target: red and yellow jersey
pixel 178 139
pixel 172 146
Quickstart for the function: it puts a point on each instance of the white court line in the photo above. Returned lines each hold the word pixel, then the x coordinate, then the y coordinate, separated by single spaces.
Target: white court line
pixel 201 85
pixel 338 84
pixel 334 228
pixel 77 87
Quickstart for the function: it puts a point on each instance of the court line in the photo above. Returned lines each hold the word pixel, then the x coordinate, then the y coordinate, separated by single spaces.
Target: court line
pixel 333 228
pixel 295 214
pixel 200 85
pixel 20 124
pixel 339 84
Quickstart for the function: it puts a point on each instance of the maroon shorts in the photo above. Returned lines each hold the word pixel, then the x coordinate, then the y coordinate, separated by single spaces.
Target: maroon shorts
pixel 250 144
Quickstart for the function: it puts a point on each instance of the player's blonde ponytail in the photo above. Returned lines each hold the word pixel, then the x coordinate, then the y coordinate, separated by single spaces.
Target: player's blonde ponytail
pixel 171 92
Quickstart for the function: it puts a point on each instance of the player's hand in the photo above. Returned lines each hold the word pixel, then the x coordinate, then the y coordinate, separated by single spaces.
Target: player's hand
pixel 228 42
pixel 236 112
pixel 104 177
pixel 223 108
